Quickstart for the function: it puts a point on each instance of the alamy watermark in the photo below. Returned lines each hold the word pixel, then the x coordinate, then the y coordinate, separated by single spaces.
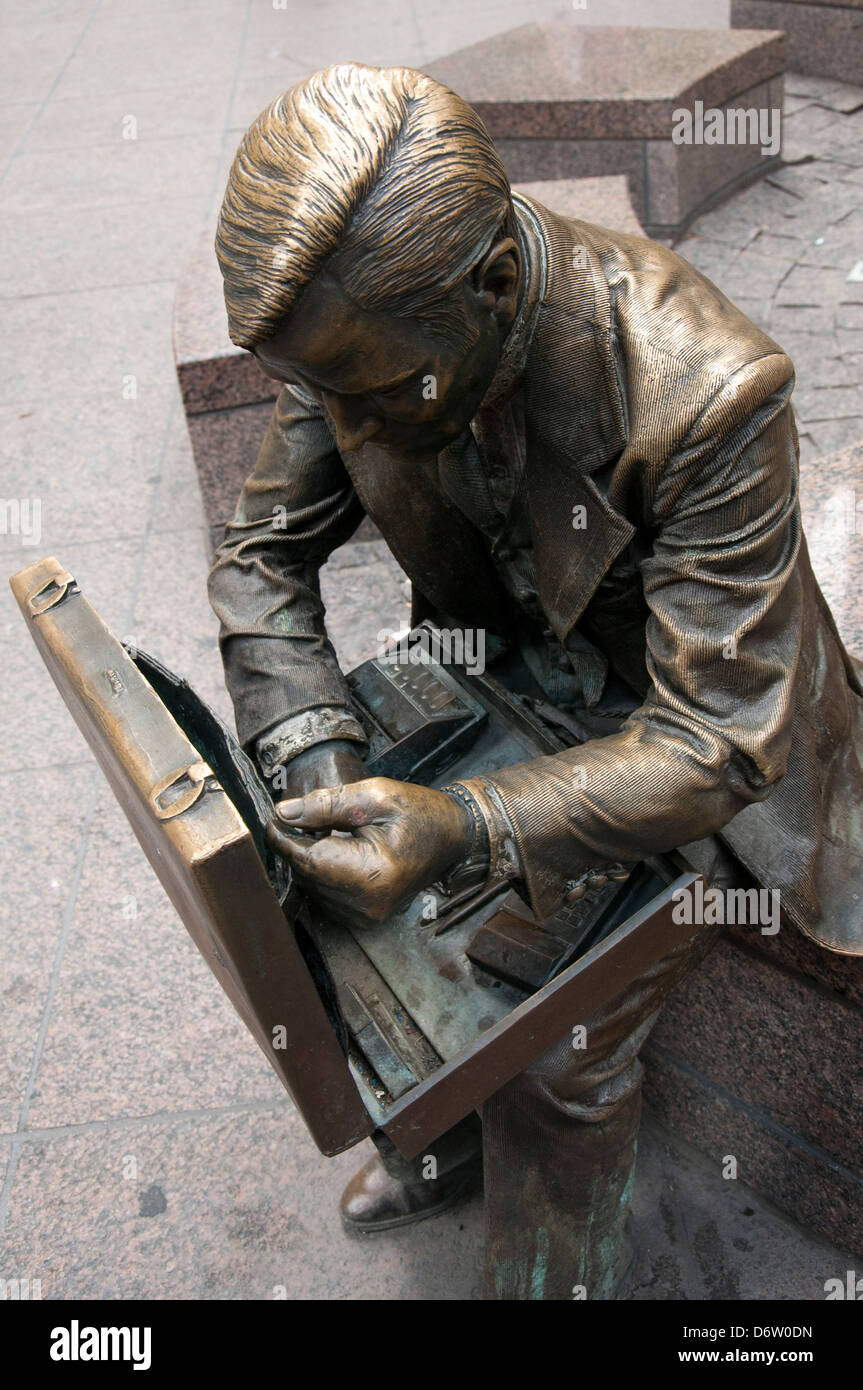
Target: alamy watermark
pixel 20 1290
pixel 851 1287
pixel 21 517
pixel 458 646
pixel 842 513
pixel 729 126
pixel 77 1343
pixel 700 906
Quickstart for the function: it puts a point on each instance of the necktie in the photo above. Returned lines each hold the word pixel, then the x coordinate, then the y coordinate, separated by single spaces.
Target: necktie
pixel 464 482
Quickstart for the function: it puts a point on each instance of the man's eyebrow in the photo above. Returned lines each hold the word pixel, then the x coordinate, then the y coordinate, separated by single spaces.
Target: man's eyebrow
pixel 376 390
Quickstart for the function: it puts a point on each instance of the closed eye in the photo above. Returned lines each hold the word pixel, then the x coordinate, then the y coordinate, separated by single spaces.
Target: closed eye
pixel 397 387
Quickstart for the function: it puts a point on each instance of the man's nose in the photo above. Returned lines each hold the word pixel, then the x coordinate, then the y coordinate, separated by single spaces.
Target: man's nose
pixel 355 425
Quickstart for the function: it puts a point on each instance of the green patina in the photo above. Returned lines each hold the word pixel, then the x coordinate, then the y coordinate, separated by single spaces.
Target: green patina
pixel 518 1280
pixel 540 1264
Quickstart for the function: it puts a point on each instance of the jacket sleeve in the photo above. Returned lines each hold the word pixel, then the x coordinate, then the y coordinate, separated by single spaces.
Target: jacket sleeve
pixel 295 509
pixel 722 640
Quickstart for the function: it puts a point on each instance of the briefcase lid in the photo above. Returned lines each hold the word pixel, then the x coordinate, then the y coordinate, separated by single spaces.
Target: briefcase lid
pixel 201 849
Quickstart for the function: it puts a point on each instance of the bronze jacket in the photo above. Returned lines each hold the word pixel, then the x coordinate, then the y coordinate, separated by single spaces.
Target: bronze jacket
pixel 658 407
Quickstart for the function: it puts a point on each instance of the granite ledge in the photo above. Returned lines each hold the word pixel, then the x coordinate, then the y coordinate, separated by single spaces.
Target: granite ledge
pixel 562 80
pixel 814 1191
pixel 815 4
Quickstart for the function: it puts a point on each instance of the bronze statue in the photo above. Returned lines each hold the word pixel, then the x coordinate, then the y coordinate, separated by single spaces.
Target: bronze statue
pixel 575 444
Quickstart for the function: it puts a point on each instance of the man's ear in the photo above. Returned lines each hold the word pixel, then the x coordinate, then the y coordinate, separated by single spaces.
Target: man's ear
pixel 499 275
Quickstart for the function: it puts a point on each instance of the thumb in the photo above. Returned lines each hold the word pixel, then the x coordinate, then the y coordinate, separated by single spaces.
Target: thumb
pixel 332 808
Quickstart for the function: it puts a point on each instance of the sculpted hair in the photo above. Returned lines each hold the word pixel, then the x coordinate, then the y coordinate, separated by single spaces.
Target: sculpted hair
pixel 383 173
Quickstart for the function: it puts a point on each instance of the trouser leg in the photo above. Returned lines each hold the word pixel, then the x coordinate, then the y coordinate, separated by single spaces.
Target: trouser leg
pixel 559 1146
pixel 458 1146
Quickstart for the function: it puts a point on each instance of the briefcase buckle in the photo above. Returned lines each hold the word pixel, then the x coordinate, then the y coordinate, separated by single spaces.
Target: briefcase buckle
pixel 60 586
pixel 197 775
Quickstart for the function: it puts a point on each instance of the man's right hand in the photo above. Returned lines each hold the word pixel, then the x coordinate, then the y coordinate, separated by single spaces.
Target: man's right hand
pixel 333 763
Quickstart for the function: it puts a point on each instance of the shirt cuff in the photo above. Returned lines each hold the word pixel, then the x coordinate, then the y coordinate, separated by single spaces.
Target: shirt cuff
pixel 504 859
pixel 292 736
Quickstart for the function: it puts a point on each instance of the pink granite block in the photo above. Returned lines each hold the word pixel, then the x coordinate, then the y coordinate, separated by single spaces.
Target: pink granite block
pixel 225 444
pixel 605 202
pixel 824 38
pixel 574 161
pixel 776 1043
pixel 790 950
pixel 562 100
pixel 798 1178
pixel 685 180
pixel 562 80
pixel 222 382
pixel 819 4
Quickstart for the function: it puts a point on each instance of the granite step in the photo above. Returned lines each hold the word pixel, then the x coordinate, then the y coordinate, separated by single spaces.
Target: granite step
pixel 562 100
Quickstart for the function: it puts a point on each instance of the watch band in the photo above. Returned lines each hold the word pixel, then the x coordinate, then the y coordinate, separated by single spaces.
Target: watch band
pixel 473 869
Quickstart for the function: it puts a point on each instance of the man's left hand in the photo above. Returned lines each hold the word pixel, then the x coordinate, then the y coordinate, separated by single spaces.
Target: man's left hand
pixel 401 839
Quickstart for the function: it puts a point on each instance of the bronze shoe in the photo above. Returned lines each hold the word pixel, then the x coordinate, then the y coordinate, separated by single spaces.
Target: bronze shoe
pixel 374 1201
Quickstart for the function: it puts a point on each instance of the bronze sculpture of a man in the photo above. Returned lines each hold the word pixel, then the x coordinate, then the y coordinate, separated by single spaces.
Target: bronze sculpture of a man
pixel 572 441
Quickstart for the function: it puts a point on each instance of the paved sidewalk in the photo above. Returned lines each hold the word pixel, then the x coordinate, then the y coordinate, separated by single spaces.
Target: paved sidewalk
pixel 783 251
pixel 147 1149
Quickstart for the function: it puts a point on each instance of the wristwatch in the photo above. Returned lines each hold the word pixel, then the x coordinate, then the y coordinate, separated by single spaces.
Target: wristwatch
pixel 473 869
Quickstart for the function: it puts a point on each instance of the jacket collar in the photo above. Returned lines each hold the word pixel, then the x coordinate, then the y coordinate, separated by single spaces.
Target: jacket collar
pixel 572 351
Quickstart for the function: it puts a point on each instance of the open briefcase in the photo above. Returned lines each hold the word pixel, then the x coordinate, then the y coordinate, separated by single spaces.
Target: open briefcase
pixel 404 1026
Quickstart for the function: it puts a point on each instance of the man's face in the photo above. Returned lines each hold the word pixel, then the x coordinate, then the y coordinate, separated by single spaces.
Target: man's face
pixel 388 379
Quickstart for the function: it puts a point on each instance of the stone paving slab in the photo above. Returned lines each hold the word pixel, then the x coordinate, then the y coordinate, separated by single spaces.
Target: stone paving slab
pixel 37 870
pixel 237 1204
pixel 133 337
pixel 91 248
pixel 824 91
pixel 36 730
pixel 176 1044
pixel 112 440
pixel 221 1205
pixel 161 114
pixel 714 1238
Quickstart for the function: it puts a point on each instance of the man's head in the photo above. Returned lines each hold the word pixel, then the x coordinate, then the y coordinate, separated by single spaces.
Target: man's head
pixel 370 254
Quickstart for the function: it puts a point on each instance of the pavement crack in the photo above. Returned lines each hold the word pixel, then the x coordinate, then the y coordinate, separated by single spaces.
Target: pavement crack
pixel 773 305
pixel 782 189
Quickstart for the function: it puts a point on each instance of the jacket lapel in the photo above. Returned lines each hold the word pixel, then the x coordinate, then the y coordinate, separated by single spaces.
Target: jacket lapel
pixel 577 537
pixel 576 418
